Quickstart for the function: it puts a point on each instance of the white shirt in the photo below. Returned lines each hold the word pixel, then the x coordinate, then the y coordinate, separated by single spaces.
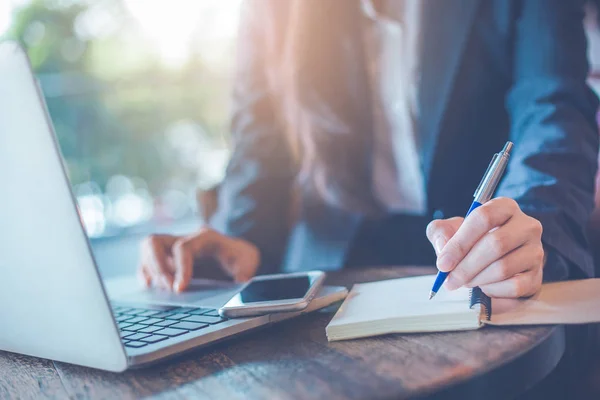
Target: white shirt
pixel 392 49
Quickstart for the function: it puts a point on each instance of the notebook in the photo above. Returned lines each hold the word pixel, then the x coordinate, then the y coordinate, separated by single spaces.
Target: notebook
pixel 402 305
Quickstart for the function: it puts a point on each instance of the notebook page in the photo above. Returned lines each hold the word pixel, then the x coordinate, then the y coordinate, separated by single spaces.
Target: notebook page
pixel 571 302
pixel 405 298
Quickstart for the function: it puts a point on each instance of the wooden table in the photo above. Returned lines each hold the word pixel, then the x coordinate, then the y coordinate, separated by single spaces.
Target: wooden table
pixel 294 360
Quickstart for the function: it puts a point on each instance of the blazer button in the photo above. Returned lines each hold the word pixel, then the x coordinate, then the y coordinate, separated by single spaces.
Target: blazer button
pixel 438 214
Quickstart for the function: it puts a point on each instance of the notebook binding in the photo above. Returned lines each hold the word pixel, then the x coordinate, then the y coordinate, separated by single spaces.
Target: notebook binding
pixel 476 296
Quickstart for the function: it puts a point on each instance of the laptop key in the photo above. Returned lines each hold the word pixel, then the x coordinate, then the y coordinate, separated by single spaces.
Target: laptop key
pixel 134 328
pixel 184 310
pixel 163 314
pixel 200 311
pixel 204 319
pixel 123 317
pixel 190 326
pixel 154 339
pixel 150 321
pixel 123 325
pixel 137 336
pixel 150 329
pixel 170 332
pixel 166 322
pixel 135 344
pixel 124 334
pixel 212 313
pixel 136 311
pixel 144 308
pixel 136 320
pixel 149 313
pixel 177 316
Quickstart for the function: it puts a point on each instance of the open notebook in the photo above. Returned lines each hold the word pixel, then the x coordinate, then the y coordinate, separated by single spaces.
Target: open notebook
pixel 402 305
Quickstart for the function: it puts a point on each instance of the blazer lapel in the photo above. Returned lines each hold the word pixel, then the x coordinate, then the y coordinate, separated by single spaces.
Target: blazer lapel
pixel 445 28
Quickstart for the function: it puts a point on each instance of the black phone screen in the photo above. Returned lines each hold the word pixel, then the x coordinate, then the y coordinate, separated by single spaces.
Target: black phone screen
pixel 275 289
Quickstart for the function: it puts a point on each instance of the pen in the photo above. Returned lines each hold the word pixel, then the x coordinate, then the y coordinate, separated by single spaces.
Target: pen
pixel 483 194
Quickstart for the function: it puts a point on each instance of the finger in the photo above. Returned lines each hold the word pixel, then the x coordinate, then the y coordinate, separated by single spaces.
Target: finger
pixel 526 258
pixel 156 258
pixel 183 258
pixel 521 285
pixel 159 282
pixel 439 231
pixel 236 257
pixel 227 259
pixel 144 276
pixel 204 243
pixel 493 246
pixel 492 214
pixel 239 259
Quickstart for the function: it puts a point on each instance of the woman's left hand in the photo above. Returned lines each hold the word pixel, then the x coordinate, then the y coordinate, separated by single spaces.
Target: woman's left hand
pixel 498 248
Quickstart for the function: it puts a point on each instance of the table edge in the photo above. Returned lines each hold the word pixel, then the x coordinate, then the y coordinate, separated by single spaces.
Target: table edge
pixel 487 382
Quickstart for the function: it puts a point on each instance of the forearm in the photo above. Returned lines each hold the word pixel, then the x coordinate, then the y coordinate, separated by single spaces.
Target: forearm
pixel 254 206
pixel 552 171
pixel 551 176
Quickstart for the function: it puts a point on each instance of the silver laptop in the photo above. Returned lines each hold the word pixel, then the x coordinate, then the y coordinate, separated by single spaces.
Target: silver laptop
pixel 53 302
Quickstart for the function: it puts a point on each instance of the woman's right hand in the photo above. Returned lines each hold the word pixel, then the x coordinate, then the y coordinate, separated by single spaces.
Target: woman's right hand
pixel 168 261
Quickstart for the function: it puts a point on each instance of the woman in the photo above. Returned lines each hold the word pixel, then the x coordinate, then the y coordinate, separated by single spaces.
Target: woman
pixel 356 123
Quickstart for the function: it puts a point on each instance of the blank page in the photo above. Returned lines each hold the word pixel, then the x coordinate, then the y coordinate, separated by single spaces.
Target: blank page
pixel 401 305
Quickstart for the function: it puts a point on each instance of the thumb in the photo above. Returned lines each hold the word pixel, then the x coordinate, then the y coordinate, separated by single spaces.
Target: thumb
pixel 440 231
pixel 183 259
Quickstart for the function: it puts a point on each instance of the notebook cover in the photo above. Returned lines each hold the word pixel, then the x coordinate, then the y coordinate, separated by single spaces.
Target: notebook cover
pixel 569 302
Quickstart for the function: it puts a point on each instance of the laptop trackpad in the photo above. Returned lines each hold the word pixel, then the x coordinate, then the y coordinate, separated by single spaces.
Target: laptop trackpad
pixel 207 293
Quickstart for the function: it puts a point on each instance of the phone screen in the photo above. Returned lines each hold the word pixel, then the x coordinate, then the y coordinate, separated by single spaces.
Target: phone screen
pixel 275 289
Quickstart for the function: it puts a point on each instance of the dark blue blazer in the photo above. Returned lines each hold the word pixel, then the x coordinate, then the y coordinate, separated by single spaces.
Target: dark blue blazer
pixel 492 70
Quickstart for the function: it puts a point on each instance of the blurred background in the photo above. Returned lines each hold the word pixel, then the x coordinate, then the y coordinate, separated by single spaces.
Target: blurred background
pixel 138 91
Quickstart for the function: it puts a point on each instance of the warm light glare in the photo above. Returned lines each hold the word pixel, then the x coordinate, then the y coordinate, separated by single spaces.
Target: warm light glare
pixel 170 25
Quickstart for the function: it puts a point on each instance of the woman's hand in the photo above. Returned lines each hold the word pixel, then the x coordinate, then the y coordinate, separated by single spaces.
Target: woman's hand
pixel 168 261
pixel 498 248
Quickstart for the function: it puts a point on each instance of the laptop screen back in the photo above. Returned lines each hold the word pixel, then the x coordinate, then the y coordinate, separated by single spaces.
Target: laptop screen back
pixel 53 301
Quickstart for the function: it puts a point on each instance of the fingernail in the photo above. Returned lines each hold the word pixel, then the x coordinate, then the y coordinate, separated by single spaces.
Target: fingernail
pixel 439 244
pixel 445 262
pixel 177 287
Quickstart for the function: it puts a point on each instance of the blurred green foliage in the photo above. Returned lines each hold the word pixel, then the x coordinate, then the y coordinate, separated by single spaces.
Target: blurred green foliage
pixel 112 100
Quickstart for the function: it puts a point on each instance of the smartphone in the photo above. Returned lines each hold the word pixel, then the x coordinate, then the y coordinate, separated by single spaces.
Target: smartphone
pixel 268 294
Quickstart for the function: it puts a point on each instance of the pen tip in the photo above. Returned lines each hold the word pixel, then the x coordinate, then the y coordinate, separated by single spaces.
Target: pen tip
pixel 431 294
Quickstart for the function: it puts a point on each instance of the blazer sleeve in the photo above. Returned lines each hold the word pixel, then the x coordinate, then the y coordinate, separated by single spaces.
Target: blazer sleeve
pixel 552 170
pixel 254 198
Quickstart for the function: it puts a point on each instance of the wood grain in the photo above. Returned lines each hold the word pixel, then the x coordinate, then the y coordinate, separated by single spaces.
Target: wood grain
pixel 293 360
pixel 23 377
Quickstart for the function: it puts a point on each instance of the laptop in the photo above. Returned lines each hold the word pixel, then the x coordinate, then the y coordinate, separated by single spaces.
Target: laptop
pixel 55 304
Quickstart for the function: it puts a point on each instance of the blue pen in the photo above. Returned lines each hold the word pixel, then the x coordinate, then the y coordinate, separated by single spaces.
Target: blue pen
pixel 484 193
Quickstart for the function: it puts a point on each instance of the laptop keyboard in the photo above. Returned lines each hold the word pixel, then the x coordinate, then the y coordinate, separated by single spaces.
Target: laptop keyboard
pixel 140 327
